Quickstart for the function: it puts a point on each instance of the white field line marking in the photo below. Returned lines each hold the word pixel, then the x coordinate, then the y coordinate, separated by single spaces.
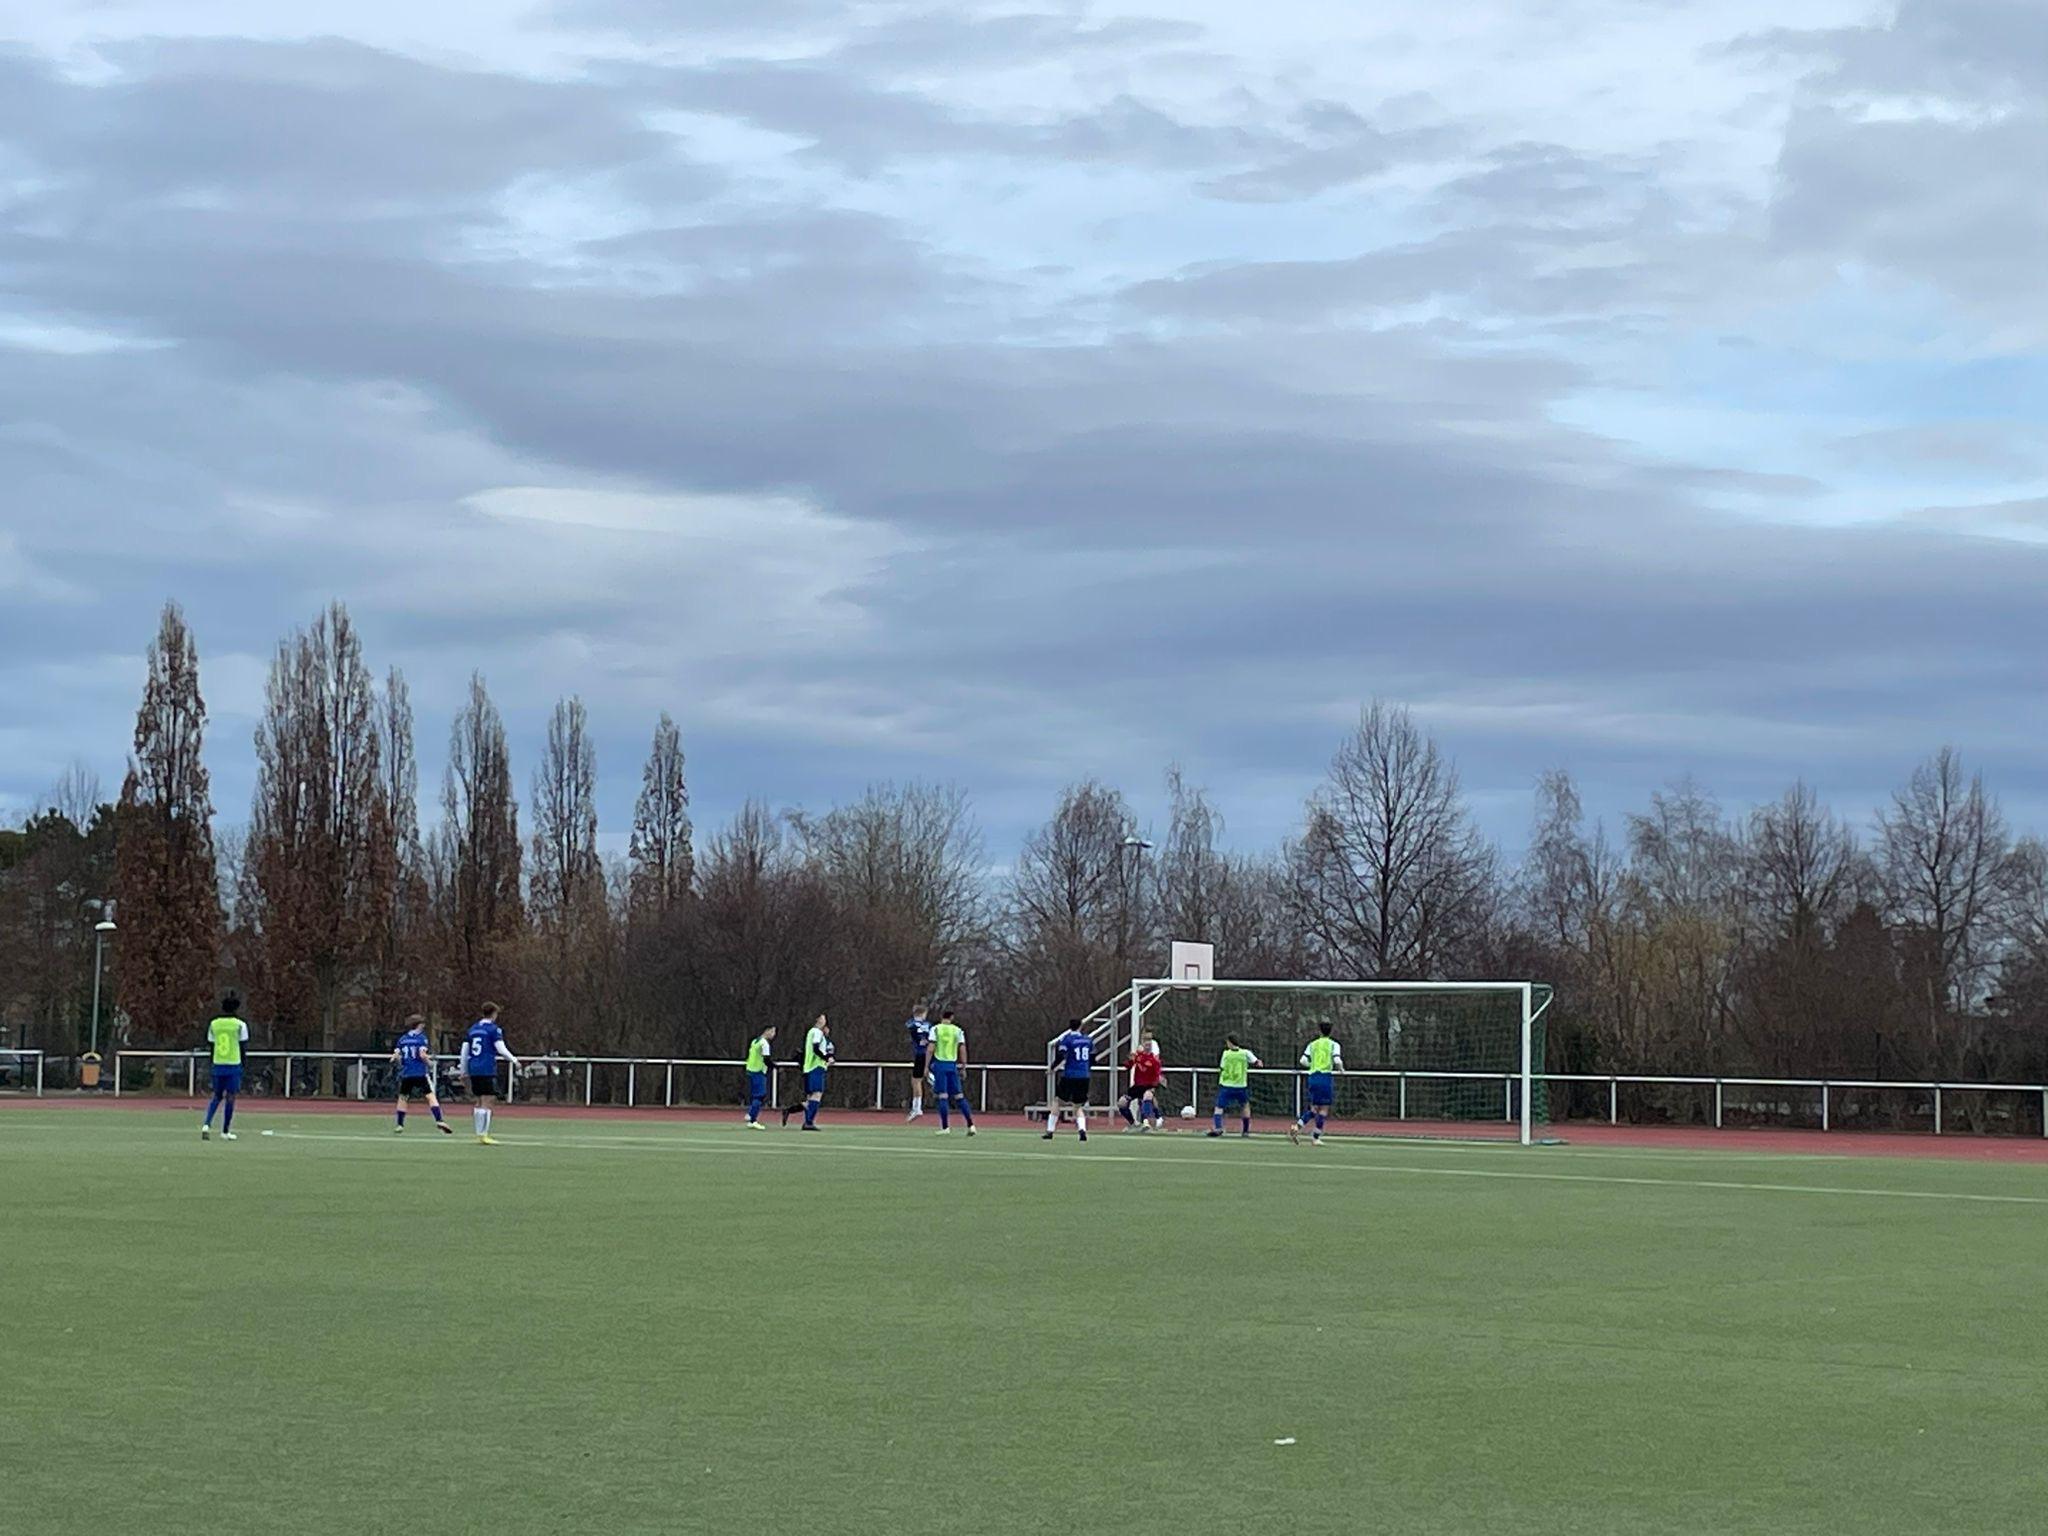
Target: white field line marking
pixel 689 1144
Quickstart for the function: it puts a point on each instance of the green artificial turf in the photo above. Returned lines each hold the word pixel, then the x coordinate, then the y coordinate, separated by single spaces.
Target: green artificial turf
pixel 658 1328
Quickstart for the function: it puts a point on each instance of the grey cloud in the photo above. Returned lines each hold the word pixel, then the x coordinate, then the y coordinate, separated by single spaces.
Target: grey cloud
pixel 1942 186
pixel 332 125
pixel 1055 548
pixel 1534 230
pixel 1953 204
pixel 1968 446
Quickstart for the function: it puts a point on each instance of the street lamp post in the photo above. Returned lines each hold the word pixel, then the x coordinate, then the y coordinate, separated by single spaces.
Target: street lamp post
pixel 100 930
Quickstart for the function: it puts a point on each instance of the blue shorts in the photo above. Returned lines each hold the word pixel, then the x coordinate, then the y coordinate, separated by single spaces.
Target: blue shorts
pixel 227 1079
pixel 757 1085
pixel 946 1079
pixel 1322 1088
pixel 814 1080
pixel 1228 1099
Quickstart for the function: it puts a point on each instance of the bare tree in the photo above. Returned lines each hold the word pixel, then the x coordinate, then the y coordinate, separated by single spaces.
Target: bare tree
pixel 566 878
pixel 76 794
pixel 320 847
pixel 1193 874
pixel 1946 867
pixel 165 872
pixel 476 853
pixel 902 868
pixel 660 853
pixel 404 963
pixel 1391 880
pixel 1801 866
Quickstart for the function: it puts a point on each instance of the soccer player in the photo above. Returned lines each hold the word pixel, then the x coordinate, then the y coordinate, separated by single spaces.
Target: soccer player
pixel 1234 1085
pixel 759 1064
pixel 482 1049
pixel 1146 1073
pixel 415 1057
pixel 227 1035
pixel 920 1058
pixel 1323 1060
pixel 817 1061
pixel 949 1060
pixel 1074 1053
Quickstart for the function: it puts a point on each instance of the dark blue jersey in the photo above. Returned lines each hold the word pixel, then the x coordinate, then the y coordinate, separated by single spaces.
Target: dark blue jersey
pixel 920 1035
pixel 480 1048
pixel 1076 1053
pixel 415 1054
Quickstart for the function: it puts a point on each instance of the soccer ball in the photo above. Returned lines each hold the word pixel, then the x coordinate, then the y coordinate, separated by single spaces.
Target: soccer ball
pixel 1187 1111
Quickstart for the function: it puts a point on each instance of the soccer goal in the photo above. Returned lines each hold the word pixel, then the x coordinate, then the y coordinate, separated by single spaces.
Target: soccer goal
pixel 1420 1057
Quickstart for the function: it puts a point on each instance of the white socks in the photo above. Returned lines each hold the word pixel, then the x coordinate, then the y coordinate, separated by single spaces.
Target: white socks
pixel 482 1118
pixel 1081 1121
pixel 917 1103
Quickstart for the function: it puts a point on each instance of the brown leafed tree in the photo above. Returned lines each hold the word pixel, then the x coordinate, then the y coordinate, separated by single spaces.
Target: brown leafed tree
pixel 477 856
pixel 405 964
pixel 165 873
pixel 660 855
pixel 320 851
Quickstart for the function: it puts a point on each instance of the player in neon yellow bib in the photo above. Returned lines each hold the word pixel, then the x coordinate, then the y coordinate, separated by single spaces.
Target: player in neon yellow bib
pixel 949 1057
pixel 1323 1060
pixel 1233 1085
pixel 759 1065
pixel 817 1062
pixel 225 1035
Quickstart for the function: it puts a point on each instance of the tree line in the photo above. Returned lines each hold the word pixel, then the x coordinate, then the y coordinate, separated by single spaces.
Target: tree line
pixel 1785 941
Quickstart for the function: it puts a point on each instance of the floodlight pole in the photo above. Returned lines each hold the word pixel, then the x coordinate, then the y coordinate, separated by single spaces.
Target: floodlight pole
pixel 1138 849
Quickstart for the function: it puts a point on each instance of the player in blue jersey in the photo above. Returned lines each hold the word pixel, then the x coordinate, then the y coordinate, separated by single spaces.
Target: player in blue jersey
pixel 920 1031
pixel 1073 1060
pixel 483 1047
pixel 415 1057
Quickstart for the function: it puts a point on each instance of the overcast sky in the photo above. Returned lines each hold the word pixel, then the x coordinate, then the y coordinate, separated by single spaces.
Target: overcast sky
pixel 1004 394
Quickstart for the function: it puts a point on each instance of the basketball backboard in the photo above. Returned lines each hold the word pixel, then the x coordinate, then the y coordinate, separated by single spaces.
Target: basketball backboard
pixel 1193 962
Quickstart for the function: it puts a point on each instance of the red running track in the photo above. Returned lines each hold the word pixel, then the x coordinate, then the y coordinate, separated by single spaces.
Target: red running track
pixel 1986 1149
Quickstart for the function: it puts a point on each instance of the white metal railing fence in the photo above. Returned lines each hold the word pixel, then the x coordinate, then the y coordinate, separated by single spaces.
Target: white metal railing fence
pixel 570 1078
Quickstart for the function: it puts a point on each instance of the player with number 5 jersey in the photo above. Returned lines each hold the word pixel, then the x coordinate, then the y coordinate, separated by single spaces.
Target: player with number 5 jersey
pixel 483 1047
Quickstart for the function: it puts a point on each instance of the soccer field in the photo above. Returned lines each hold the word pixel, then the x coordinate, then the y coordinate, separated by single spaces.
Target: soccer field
pixel 613 1327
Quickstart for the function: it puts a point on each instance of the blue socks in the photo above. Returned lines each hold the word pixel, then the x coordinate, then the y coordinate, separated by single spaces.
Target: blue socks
pixel 942 1112
pixel 1319 1122
pixel 227 1119
pixel 437 1114
pixel 401 1114
pixel 1247 1126
pixel 965 1113
pixel 1216 1122
pixel 810 1111
pixel 1124 1109
pixel 754 1107
pixel 212 1107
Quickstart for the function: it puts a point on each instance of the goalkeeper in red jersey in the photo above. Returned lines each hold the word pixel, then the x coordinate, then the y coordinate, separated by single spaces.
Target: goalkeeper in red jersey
pixel 1143 1093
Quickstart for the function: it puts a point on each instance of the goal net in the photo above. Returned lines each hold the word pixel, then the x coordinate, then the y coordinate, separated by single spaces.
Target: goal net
pixel 1417 1055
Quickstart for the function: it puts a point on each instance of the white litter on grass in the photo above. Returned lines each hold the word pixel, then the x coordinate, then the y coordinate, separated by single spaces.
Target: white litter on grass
pixel 1288 1441
pixel 270 1133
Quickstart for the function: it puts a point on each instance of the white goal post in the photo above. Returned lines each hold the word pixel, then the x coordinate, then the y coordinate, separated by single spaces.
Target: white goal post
pixel 1473 1048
